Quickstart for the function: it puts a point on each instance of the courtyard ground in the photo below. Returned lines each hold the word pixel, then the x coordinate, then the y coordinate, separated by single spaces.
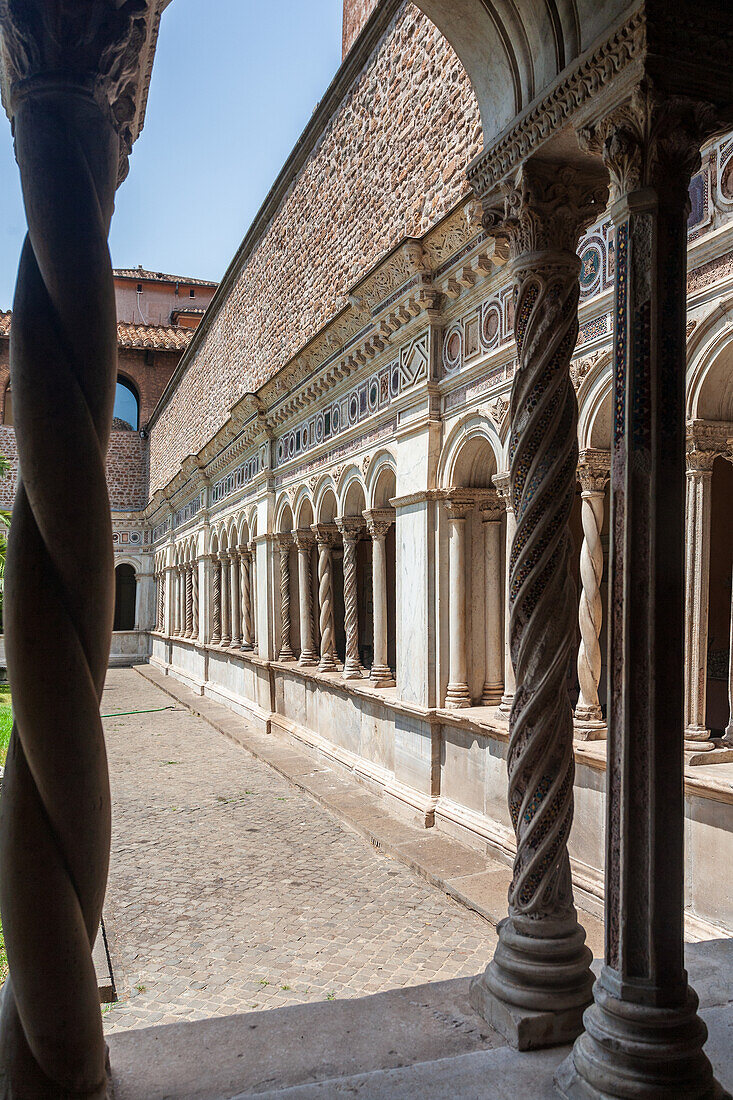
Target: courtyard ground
pixel 232 890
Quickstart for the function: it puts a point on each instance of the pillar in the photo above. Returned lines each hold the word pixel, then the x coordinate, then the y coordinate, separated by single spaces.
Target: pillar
pixel 226 601
pixel 253 576
pixel 189 600
pixel 593 470
pixel 728 736
pixel 491 513
pixel 216 600
pixel 170 607
pixel 539 982
pixel 697 591
pixel 64 83
pixel 378 523
pixel 304 542
pixel 503 488
pixel 236 599
pixel 195 601
pixel 246 594
pixel 643 1036
pixel 324 539
pixel 286 649
pixel 458 508
pixel 351 528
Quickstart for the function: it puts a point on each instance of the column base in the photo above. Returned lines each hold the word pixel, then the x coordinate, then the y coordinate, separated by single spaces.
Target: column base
pixel 507 702
pixel 589 728
pixel 492 695
pixel 457 697
pixel 536 988
pixel 328 664
pixel 308 660
pixel 638 1050
pixel 247 647
pixel 286 656
pixel 353 672
pixel 697 733
pixel 381 676
pixel 216 640
pixel 717 750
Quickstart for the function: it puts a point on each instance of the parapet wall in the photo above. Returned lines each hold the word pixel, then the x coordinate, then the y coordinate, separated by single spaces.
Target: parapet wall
pixel 389 164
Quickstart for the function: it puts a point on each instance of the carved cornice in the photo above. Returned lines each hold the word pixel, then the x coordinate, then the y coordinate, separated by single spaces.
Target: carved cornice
pixel 546 208
pixel 107 49
pixel 593 72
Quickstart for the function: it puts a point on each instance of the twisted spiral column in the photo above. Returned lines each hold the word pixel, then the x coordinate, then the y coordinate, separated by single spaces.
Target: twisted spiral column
pixel 308 654
pixel 189 601
pixel 351 529
pixel 541 965
pixel 324 538
pixel 593 473
pixel 216 601
pixel 195 601
pixel 55 808
pixel 246 594
pixel 236 600
pixel 226 607
pixel 286 649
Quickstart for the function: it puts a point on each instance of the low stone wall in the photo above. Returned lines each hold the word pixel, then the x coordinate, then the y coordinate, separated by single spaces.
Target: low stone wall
pixel 448 769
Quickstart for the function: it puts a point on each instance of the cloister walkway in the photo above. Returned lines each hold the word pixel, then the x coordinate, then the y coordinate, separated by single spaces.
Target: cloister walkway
pixel 231 890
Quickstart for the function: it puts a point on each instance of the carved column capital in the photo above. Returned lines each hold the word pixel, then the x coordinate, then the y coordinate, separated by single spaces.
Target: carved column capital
pixel 652 140
pixel 304 540
pixel 504 490
pixel 284 542
pixel 351 527
pixel 325 533
pixel 379 521
pixel 244 552
pixel 492 509
pixel 459 503
pixel 546 208
pixel 594 470
pixel 700 461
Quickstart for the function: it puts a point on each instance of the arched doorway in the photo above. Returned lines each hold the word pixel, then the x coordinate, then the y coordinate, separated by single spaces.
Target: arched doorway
pixel 125 592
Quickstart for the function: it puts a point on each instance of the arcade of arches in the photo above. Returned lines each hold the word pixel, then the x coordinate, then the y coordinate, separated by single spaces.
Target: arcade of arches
pixel 440 488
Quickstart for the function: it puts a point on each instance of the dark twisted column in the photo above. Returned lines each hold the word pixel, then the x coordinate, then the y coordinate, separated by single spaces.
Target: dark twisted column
pixel 351 528
pixel 324 538
pixel 216 600
pixel 65 69
pixel 189 600
pixel 246 586
pixel 539 981
pixel 643 1036
pixel 286 649
pixel 195 601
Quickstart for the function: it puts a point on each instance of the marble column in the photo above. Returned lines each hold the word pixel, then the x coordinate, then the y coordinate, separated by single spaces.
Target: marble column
pixel 246 594
pixel 71 78
pixel 195 601
pixel 458 509
pixel 324 538
pixel 253 578
pixel 503 488
pixel 697 592
pixel 593 472
pixel 728 736
pixel 378 523
pixel 161 601
pixel 643 1035
pixel 216 600
pixel 169 619
pixel 176 601
pixel 351 528
pixel 491 514
pixel 189 600
pixel 226 601
pixel 286 649
pixel 536 987
pixel 236 599
pixel 304 542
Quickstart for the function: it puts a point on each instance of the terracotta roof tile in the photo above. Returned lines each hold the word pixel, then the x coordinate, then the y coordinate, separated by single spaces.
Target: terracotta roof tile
pixel 156 337
pixel 158 276
pixel 5 323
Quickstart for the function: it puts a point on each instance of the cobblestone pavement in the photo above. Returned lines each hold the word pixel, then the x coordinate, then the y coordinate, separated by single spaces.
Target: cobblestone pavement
pixel 230 889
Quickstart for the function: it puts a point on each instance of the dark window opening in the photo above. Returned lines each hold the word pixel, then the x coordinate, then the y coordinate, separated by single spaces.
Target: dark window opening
pixel 127 407
pixel 125 585
pixel 192 293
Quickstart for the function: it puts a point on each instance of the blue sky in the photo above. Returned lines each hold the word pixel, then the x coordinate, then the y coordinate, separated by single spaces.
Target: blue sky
pixel 235 82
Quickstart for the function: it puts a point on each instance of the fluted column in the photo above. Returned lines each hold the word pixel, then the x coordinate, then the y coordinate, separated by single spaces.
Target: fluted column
pixel 286 649
pixel 236 599
pixel 503 488
pixel 537 985
pixel 195 601
pixel 458 509
pixel 491 513
pixel 324 538
pixel 697 591
pixel 226 601
pixel 379 522
pixel 189 600
pixel 351 528
pixel 643 1036
pixel 304 542
pixel 593 471
pixel 216 600
pixel 64 68
pixel 253 576
pixel 246 595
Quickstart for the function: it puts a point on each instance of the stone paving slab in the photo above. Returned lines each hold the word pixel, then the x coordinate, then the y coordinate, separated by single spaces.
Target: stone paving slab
pixel 231 890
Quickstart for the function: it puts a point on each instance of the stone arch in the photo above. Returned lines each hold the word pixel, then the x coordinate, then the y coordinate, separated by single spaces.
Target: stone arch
pixel 242 530
pixel 710 371
pixel 303 510
pixel 283 517
pixel 381 481
pixel 125 595
pixel 353 496
pixel 471 454
pixel 326 502
pixel 595 418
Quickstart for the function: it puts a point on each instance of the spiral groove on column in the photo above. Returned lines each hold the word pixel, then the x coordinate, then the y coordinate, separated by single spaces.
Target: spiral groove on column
pixel 55 808
pixel 216 602
pixel 350 529
pixel 189 601
pixel 325 602
pixel 286 651
pixel 593 473
pixel 246 600
pixel 195 600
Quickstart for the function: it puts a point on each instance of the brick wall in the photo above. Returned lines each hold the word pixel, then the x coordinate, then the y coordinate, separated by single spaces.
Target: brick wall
pixel 127 461
pixel 390 164
pixel 150 371
pixel 356 13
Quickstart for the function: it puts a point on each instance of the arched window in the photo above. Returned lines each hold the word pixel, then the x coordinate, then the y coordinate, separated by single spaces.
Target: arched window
pixel 125 585
pixel 8 409
pixel 127 406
